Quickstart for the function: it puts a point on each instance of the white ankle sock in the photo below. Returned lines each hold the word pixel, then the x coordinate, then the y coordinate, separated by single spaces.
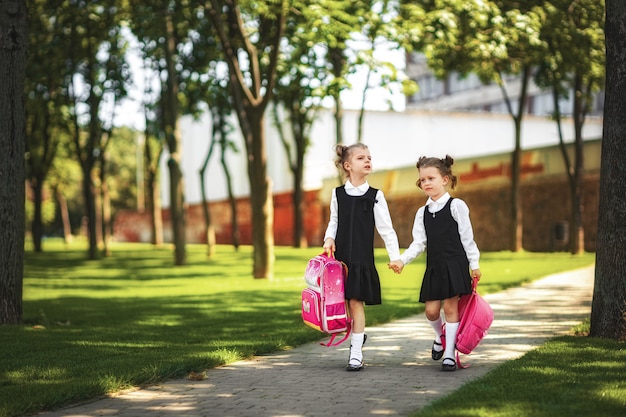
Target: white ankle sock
pixel 451 329
pixel 356 346
pixel 436 325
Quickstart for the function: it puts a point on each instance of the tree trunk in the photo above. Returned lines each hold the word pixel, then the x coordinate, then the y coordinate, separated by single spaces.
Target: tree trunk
pixel 517 214
pixel 177 200
pixel 105 208
pixel 153 193
pixel 154 205
pixel 231 196
pixel 13 51
pixel 261 198
pixel 608 309
pixel 90 214
pixel 577 234
pixel 299 237
pixel 37 224
pixel 359 135
pixel 516 199
pixel 338 62
pixel 209 230
pixel 177 209
pixel 65 217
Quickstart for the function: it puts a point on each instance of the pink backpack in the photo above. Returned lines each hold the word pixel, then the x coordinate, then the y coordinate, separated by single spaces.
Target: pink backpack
pixel 323 301
pixel 476 316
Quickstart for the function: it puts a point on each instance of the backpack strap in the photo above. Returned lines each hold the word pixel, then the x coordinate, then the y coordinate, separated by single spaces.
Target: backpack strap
pixel 332 342
pixel 458 362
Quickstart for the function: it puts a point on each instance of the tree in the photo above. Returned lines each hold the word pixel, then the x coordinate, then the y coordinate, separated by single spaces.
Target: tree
pixel 100 74
pixel 166 32
pixel 572 30
pixel 45 103
pixel 152 151
pixel 250 33
pixel 302 82
pixel 608 309
pixel 220 108
pixel 13 52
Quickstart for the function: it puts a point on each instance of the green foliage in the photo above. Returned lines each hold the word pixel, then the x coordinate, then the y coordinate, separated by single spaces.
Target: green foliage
pixel 92 327
pixel 487 38
pixel 572 30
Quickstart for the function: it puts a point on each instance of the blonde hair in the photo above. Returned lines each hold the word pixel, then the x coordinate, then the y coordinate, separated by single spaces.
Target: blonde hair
pixel 443 165
pixel 344 153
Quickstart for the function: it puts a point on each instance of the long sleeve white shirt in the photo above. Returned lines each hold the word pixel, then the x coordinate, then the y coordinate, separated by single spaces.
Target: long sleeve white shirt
pixel 460 213
pixel 382 218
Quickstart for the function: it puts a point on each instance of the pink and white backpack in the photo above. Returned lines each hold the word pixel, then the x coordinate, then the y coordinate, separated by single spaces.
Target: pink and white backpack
pixel 476 316
pixel 323 301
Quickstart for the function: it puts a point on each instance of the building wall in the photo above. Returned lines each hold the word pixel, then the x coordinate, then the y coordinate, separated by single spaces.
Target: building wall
pixel 395 139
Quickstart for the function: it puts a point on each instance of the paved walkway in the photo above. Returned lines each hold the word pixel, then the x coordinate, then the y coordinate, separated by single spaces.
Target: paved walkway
pixel 399 378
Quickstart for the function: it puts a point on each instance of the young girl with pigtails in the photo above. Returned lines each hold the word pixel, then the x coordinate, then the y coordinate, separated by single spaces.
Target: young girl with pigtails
pixel 443 229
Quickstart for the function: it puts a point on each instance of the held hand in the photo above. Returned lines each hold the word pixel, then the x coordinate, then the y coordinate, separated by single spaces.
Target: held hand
pixel 396 265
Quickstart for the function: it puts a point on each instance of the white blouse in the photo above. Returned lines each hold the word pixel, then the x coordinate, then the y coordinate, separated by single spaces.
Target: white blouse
pixel 460 213
pixel 382 218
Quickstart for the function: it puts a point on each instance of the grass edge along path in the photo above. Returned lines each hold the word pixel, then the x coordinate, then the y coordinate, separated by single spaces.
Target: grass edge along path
pixel 569 376
pixel 132 319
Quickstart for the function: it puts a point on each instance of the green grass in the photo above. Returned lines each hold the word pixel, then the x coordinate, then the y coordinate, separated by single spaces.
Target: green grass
pixel 133 319
pixel 569 376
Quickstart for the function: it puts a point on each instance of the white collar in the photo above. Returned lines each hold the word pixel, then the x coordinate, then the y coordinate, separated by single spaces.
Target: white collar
pixel 439 203
pixel 363 187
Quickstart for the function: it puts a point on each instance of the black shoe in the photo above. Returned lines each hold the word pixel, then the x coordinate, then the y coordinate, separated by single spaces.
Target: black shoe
pixel 354 368
pixel 448 367
pixel 436 355
pixel 360 366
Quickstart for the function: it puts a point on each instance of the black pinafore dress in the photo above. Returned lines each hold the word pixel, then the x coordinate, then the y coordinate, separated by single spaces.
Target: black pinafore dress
pixel 355 244
pixel 447 268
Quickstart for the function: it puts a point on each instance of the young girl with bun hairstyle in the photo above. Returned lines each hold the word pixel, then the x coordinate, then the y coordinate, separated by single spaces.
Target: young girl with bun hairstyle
pixel 442 229
pixel 356 209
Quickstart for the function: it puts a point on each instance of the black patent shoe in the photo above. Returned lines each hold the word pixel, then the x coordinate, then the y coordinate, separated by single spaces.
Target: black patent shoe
pixel 354 368
pixel 436 355
pixel 360 365
pixel 446 366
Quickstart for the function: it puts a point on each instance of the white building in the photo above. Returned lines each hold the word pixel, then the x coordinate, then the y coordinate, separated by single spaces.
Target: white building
pixel 395 139
pixel 457 93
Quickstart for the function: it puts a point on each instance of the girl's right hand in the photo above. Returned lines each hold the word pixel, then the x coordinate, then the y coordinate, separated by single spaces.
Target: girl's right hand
pixel 329 246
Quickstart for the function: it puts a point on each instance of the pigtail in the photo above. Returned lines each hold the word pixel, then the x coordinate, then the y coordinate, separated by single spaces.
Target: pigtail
pixel 447 162
pixel 340 151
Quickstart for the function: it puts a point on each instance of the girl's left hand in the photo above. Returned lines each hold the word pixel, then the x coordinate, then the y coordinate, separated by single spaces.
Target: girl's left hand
pixel 476 274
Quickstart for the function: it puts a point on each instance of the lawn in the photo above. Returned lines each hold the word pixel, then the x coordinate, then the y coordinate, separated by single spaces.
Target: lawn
pixel 570 376
pixel 133 319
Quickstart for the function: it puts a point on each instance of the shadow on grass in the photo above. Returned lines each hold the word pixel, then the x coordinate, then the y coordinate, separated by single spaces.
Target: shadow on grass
pixel 101 345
